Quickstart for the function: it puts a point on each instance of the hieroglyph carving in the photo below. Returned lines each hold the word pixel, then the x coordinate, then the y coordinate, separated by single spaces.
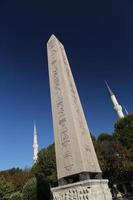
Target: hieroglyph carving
pixel 59 106
pixel 74 148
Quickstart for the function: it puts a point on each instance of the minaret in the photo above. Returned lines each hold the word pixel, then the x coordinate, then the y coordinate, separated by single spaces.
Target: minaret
pixel 116 105
pixel 35 145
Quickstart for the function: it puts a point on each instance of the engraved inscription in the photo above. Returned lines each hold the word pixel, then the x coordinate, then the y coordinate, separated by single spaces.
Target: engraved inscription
pixel 76 106
pixel 63 129
pixel 73 93
pixel 75 193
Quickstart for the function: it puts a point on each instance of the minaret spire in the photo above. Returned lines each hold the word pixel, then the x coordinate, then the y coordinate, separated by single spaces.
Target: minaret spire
pixel 126 111
pixel 110 91
pixel 116 105
pixel 35 145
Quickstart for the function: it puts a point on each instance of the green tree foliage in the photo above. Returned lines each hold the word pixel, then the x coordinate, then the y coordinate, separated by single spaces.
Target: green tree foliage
pixel 115 159
pixel 46 164
pixel 29 191
pixel 16 196
pixel 124 131
pixel 20 178
pixel 39 166
pixel 45 172
pixel 43 188
pixel 17 176
pixel 104 137
pixel 50 164
pixel 5 189
pixel 111 154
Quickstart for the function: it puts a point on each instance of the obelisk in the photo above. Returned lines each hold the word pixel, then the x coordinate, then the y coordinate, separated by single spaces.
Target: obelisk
pixel 75 154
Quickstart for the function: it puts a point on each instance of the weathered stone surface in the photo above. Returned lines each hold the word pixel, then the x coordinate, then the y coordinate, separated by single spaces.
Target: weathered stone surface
pixel 85 190
pixel 75 153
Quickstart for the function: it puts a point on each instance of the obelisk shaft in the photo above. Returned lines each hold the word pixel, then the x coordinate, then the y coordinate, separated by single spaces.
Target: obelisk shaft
pixel 75 152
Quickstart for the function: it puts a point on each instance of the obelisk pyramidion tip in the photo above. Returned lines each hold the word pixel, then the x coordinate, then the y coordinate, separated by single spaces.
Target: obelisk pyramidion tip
pixel 52 37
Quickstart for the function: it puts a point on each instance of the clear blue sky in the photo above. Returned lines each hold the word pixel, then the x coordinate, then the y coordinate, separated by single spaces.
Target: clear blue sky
pixel 98 38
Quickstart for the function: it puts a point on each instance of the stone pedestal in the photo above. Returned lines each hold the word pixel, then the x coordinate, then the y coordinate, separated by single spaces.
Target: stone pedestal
pixel 84 190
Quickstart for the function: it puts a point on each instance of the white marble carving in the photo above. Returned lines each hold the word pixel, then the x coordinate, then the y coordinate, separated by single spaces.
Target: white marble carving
pixel 85 190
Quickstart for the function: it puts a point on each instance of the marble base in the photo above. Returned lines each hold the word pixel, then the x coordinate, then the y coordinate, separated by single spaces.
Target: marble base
pixel 85 190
